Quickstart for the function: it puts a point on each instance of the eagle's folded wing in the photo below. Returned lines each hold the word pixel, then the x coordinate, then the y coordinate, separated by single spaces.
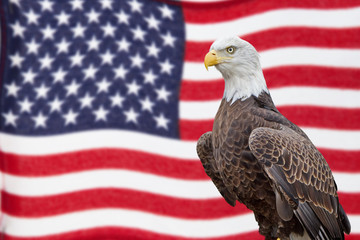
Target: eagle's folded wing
pixel 205 153
pixel 302 178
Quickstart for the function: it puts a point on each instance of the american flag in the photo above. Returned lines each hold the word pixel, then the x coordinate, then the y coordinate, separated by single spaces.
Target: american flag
pixel 102 102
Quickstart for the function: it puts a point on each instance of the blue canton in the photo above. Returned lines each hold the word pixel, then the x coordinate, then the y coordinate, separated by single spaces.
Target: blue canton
pixel 80 65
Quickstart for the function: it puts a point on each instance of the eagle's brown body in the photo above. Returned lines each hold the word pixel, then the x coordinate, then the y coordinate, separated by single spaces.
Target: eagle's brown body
pixel 254 153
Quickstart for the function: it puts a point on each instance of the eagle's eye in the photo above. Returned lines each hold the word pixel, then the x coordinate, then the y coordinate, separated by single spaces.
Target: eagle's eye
pixel 230 50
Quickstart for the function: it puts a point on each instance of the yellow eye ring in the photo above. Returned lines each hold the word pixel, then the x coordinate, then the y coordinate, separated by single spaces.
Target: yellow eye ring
pixel 230 50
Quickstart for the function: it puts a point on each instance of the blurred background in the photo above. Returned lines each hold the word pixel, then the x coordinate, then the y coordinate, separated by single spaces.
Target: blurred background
pixel 102 102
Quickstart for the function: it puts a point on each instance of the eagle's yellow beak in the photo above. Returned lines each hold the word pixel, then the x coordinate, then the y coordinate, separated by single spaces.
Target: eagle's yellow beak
pixel 211 59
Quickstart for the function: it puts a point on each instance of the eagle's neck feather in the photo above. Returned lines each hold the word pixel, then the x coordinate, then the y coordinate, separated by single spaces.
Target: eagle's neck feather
pixel 240 85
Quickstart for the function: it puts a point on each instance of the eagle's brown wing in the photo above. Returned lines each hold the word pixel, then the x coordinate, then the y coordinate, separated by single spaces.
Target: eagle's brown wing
pixel 205 152
pixel 304 180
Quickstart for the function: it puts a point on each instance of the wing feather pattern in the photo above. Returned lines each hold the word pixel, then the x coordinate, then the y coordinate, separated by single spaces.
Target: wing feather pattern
pixel 205 152
pixel 304 179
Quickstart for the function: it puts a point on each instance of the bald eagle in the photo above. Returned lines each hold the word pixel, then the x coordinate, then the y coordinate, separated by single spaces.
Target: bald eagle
pixel 256 156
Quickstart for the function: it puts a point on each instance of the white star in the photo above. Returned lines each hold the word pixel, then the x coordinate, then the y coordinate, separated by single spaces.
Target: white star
pixel 25 105
pixel 152 22
pixel 70 117
pixel 32 47
pixel 138 33
pixel 15 2
pixel 76 4
pixel 78 30
pixel 109 30
pixel 32 17
pixel 41 92
pixel 106 4
pixel 93 44
pixel 146 104
pixel 90 72
pixel 46 61
pixel 149 77
pixel 133 88
pixel 46 5
pixel 40 120
pixel 100 114
pixel 162 121
pixel 135 6
pixel 117 100
pixel 59 76
pixel 168 39
pixel 120 72
pixel 29 76
pixel 166 66
pixel 137 61
pixel 10 118
pixel 166 12
pixel 123 17
pixel 63 18
pixel 48 32
pixel 131 116
pixel 153 50
pixel 162 94
pixel 107 57
pixel 76 60
pixel 12 89
pixel 123 44
pixel 62 46
pixel 93 16
pixel 18 30
pixel 55 105
pixel 86 101
pixel 16 60
pixel 103 86
pixel 72 88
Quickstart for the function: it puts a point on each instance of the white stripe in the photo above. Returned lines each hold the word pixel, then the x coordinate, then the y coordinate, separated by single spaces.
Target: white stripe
pixel 334 18
pixel 94 139
pixel 286 96
pixel 125 179
pixel 344 182
pixel 316 96
pixel 326 138
pixel 36 227
pixel 287 56
pixel 334 139
pixel 310 56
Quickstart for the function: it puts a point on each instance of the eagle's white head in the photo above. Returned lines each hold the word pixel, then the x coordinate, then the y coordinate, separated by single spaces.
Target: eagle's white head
pixel 238 62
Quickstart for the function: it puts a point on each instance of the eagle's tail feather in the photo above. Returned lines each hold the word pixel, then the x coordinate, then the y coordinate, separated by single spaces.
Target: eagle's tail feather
pixel 325 229
pixel 344 221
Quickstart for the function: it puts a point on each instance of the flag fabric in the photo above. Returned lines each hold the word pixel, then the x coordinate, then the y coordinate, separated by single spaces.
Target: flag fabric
pixel 102 102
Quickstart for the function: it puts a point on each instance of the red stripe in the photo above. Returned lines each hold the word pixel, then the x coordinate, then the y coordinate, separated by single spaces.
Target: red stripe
pixel 101 159
pixel 127 199
pixel 222 11
pixel 201 90
pixel 118 198
pixel 313 76
pixel 350 202
pixel 303 76
pixel 286 37
pixel 323 117
pixel 118 233
pixel 192 130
